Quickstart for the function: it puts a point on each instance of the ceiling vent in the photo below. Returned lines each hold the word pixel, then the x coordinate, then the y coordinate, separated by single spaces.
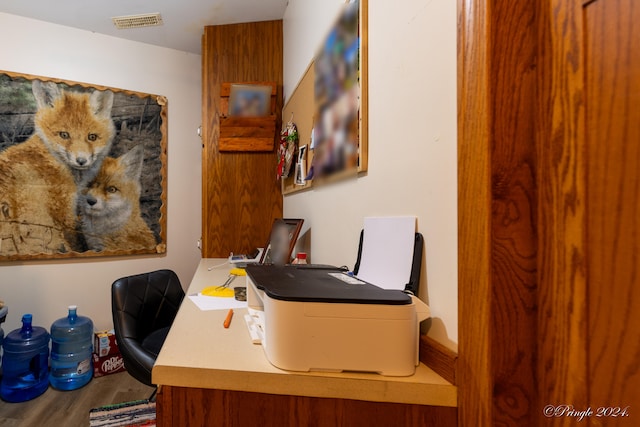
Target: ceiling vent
pixel 137 21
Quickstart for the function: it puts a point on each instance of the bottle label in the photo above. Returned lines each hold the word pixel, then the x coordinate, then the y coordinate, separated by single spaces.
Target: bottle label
pixel 84 367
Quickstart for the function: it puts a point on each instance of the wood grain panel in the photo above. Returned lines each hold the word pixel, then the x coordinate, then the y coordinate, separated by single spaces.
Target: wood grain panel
pixel 513 213
pixel 562 326
pixel 552 324
pixel 205 407
pixel 612 79
pixel 241 195
pixel 474 211
pixel 497 204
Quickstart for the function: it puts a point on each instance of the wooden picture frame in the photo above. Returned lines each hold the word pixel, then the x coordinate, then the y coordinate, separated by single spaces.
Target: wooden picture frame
pixel 82 169
pixel 282 240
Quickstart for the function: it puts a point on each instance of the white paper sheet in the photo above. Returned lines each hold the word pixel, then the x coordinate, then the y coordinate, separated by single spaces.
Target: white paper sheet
pixel 387 251
pixel 206 303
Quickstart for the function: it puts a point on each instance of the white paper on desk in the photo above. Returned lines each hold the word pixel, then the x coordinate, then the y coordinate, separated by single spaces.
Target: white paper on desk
pixel 206 303
pixel 387 251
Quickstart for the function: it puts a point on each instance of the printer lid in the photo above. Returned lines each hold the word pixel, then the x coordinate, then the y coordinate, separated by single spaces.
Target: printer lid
pixel 322 284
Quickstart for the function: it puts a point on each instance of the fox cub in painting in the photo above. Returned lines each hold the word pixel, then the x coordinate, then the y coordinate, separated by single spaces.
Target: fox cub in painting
pixel 76 128
pixel 110 206
pixel 40 178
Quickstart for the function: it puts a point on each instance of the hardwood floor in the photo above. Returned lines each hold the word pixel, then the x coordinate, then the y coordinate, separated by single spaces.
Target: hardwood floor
pixel 71 408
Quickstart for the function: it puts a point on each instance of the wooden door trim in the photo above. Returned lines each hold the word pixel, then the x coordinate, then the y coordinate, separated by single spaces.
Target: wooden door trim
pixel 497 208
pixel 474 211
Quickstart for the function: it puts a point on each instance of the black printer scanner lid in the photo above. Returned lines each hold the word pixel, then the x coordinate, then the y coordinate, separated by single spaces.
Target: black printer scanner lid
pixel 297 283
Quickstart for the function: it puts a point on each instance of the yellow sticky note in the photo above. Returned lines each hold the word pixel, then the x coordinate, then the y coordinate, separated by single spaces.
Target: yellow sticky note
pixel 216 291
pixel 238 272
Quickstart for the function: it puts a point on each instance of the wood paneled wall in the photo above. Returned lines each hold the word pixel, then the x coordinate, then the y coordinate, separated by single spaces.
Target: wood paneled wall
pixel 240 193
pixel 562 335
pixel 497 212
pixel 612 141
pixel 549 193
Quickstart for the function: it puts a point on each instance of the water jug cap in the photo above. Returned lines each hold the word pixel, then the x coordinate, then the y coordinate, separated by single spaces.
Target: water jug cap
pixel 26 323
pixel 72 316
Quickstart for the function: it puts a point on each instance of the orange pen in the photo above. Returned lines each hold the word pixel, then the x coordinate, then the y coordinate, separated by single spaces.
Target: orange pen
pixel 227 321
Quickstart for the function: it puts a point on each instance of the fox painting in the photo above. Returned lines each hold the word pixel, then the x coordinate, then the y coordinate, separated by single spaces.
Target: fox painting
pixel 41 177
pixel 110 206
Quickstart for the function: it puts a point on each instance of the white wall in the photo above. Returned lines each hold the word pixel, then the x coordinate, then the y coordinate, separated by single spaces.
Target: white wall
pixel 46 288
pixel 412 140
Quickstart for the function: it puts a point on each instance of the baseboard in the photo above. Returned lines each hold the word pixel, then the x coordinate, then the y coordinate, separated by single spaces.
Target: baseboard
pixel 438 357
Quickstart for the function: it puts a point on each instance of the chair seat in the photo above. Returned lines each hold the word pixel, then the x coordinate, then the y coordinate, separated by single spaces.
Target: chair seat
pixel 153 342
pixel 143 308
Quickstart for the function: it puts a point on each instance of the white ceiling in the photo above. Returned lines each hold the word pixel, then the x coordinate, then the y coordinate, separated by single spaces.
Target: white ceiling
pixel 184 20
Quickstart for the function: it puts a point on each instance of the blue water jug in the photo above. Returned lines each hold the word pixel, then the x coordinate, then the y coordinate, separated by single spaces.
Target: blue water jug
pixel 71 348
pixel 25 362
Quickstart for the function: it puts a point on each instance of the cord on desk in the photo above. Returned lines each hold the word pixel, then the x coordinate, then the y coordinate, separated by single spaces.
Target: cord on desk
pixel 218 266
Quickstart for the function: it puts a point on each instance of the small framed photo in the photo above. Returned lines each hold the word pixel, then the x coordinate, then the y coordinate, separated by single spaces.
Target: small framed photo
pixel 246 100
pixel 282 240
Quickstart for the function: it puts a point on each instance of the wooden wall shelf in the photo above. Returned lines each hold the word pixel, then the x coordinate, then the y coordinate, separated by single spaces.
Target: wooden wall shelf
pixel 246 133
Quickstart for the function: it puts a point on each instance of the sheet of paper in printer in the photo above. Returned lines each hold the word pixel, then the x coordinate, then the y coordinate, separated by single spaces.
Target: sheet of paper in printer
pixel 387 251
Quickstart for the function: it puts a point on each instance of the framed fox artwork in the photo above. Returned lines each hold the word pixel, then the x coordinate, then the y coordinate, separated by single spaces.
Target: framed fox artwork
pixel 82 170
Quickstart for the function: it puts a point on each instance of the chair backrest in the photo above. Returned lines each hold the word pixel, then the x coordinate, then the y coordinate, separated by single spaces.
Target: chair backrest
pixel 416 264
pixel 145 302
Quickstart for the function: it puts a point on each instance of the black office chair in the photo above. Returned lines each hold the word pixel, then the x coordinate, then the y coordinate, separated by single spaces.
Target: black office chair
pixel 143 308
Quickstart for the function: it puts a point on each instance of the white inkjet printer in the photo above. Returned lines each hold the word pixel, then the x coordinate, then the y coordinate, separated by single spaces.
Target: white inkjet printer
pixel 318 318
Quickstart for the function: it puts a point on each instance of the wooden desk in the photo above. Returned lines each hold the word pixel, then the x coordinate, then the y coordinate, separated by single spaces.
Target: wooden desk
pixel 209 375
